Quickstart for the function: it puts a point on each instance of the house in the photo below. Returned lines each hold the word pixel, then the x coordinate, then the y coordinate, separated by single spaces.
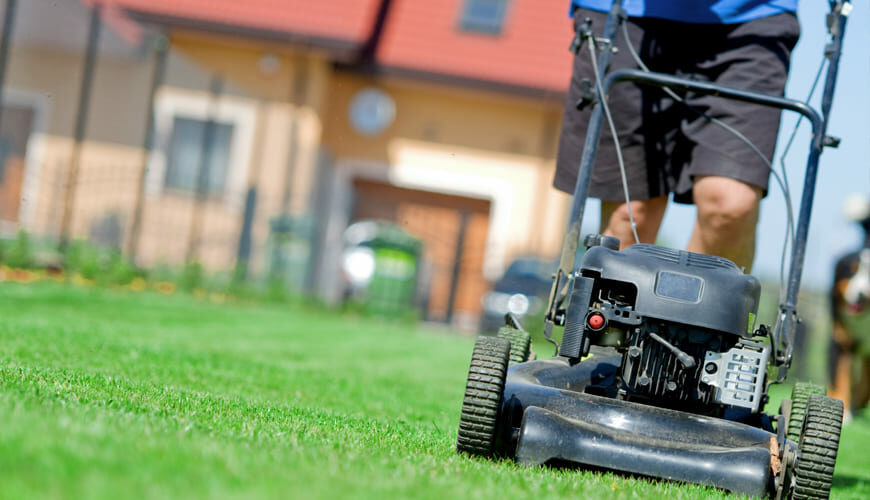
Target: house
pixel 440 115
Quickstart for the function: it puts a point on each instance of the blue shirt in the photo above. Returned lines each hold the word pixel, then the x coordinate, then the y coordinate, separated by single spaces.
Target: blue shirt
pixel 696 11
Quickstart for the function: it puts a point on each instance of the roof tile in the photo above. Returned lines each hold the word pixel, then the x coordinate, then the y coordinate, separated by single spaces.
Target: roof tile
pixel 531 50
pixel 419 35
pixel 350 20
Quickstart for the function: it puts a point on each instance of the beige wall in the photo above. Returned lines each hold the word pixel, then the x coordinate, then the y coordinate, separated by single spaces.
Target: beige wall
pixel 50 81
pixel 478 144
pixel 117 97
pixel 289 101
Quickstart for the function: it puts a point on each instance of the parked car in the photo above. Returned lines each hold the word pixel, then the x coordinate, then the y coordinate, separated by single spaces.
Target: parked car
pixel 522 290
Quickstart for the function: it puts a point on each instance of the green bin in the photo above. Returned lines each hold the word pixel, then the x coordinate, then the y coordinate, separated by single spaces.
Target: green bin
pixel 380 264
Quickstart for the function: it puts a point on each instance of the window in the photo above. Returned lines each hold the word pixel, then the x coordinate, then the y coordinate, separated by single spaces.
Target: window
pixel 483 16
pixel 180 119
pixel 185 155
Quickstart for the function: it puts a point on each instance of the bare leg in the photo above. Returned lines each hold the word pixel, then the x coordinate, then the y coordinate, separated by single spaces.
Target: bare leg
pixel 727 215
pixel 647 214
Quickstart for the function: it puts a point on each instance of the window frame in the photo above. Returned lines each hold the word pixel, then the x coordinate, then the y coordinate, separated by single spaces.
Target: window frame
pixel 479 25
pixel 239 112
pixel 171 163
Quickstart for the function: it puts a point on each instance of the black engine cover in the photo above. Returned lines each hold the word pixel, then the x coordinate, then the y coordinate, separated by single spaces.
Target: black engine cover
pixel 681 287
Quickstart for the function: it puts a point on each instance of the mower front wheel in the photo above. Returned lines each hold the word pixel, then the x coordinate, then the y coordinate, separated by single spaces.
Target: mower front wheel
pixel 817 448
pixel 800 395
pixel 521 344
pixel 478 422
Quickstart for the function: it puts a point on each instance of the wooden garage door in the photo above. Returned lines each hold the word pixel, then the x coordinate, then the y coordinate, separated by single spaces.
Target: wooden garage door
pixel 453 230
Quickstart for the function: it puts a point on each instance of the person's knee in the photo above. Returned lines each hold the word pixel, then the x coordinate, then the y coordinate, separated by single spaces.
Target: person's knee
pixel 727 208
pixel 644 212
pixel 647 215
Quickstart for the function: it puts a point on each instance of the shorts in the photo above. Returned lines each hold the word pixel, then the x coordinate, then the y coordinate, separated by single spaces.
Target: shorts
pixel 665 144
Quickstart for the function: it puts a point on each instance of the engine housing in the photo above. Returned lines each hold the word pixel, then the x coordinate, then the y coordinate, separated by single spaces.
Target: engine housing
pixel 684 323
pixel 683 287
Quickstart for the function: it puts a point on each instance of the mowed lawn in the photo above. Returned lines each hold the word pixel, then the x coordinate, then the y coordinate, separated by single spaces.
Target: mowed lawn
pixel 113 394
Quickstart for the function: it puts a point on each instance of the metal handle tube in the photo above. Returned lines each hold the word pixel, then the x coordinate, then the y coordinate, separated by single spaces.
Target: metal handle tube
pixel 787 321
pixel 707 88
pixel 590 147
pixel 812 166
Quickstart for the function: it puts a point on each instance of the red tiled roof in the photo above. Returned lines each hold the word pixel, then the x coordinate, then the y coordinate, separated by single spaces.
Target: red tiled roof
pixel 421 36
pixel 346 20
pixel 531 51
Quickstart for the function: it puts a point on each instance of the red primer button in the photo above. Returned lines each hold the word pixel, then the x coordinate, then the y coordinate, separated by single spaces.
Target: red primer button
pixel 596 321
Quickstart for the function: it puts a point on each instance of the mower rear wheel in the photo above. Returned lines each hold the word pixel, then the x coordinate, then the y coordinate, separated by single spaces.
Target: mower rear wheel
pixel 817 448
pixel 478 422
pixel 521 344
pixel 799 396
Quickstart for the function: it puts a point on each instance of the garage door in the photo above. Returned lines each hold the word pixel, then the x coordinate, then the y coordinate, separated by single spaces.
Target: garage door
pixel 453 230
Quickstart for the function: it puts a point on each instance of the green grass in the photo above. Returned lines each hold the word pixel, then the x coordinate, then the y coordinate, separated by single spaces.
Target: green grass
pixel 108 394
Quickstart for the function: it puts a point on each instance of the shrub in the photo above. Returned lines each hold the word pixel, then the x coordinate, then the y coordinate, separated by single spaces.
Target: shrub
pixel 192 276
pixel 19 254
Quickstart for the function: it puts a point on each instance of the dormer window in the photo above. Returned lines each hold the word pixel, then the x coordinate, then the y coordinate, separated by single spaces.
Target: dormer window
pixel 483 16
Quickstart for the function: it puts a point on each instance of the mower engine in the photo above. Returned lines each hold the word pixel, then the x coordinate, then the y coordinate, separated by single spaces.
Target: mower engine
pixel 683 323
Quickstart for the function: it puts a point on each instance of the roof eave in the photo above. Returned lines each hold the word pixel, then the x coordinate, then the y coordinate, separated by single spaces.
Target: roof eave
pixel 344 50
pixel 528 91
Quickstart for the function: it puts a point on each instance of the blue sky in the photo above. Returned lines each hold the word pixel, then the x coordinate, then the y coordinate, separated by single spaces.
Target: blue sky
pixel 842 171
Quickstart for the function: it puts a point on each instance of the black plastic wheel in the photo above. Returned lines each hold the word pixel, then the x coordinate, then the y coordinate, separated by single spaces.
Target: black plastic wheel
pixel 817 448
pixel 521 344
pixel 799 396
pixel 478 422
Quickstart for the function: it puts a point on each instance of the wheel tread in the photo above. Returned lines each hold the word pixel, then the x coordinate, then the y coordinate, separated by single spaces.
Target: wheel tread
pixel 521 343
pixel 799 395
pixel 478 420
pixel 817 448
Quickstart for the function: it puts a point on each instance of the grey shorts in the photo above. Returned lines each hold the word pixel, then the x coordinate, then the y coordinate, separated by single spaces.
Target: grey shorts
pixel 664 143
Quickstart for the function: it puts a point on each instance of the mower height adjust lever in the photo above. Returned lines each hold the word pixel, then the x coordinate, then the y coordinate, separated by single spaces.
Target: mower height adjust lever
pixel 583 32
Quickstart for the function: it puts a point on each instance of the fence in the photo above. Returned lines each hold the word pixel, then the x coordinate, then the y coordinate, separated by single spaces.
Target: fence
pixel 114 136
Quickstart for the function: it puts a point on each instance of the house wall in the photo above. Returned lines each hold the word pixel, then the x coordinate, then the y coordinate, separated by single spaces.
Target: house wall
pixel 295 145
pixel 479 144
pixel 474 145
pixel 275 108
pixel 49 79
pixel 288 102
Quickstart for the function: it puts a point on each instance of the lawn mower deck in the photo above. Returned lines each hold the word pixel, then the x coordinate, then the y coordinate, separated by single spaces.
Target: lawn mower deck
pixel 559 423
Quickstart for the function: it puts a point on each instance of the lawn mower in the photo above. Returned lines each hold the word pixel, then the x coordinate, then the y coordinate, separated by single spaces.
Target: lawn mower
pixel 661 371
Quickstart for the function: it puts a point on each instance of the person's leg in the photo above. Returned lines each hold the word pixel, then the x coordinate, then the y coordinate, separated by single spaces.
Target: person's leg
pixel 727 215
pixel 726 177
pixel 647 215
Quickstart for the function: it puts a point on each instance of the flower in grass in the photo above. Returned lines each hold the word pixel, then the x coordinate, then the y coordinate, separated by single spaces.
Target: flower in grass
pixel 138 284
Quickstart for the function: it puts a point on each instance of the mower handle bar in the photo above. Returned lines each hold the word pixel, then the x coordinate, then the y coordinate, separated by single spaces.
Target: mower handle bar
pixel 787 319
pixel 817 122
pixel 707 88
